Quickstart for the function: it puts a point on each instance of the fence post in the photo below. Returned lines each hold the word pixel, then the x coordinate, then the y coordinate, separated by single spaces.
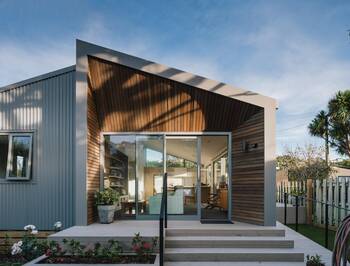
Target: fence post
pixel 326 227
pixel 296 212
pixel 285 208
pixel 309 202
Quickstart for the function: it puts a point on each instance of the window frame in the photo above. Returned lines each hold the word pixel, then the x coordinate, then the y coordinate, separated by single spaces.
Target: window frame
pixel 9 155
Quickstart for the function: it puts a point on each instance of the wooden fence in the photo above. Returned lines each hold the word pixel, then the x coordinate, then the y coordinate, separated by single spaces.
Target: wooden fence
pixel 334 192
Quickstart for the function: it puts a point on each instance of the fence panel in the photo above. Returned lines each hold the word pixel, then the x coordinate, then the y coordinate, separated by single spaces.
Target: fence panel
pixel 334 192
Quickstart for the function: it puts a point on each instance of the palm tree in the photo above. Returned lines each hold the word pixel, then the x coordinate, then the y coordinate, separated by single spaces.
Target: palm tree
pixel 319 127
pixel 334 126
pixel 339 110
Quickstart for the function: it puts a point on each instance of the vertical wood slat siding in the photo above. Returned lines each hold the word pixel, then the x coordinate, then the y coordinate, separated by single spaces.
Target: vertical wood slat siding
pixel 128 100
pixel 248 171
pixel 131 100
pixel 47 107
pixel 93 157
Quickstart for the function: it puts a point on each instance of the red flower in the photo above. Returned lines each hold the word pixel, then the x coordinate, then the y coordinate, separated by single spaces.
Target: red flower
pixel 48 253
pixel 136 248
pixel 147 245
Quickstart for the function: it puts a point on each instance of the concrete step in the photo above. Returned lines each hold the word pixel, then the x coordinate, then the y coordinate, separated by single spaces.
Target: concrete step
pixel 225 232
pixel 232 254
pixel 227 242
pixel 233 263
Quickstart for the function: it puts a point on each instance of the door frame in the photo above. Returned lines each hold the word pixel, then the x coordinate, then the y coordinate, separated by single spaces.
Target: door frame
pixel 180 134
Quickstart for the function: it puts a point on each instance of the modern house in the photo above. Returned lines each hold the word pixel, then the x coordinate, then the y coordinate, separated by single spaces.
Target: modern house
pixel 115 120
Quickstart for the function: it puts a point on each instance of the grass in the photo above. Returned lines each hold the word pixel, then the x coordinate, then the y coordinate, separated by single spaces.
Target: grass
pixel 316 234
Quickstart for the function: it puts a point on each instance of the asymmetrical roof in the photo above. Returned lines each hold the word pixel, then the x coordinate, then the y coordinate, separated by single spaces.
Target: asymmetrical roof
pixel 84 49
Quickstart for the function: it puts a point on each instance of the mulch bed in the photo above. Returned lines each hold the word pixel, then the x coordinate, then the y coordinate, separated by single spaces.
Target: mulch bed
pixel 124 259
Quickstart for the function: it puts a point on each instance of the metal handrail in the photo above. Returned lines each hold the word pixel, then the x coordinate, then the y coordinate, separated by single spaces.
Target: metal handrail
pixel 317 201
pixel 163 219
pixel 297 198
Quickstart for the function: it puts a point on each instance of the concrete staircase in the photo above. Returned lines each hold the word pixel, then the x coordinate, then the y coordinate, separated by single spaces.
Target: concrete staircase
pixel 229 245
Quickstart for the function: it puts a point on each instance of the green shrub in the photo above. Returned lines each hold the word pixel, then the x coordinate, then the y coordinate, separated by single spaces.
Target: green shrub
pixel 107 196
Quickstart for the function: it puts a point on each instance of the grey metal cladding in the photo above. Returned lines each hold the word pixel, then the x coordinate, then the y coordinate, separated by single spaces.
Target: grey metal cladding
pixel 45 107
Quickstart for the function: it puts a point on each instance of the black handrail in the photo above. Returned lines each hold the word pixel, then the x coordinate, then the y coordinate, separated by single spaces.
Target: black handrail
pixel 163 218
pixel 326 204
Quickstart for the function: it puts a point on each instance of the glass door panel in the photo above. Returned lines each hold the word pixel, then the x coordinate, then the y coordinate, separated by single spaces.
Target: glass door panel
pixel 181 166
pixel 214 178
pixel 149 172
pixel 119 171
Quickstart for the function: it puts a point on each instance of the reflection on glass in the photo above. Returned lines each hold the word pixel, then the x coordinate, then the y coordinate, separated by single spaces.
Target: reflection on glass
pixel 20 156
pixel 4 146
pixel 119 170
pixel 214 177
pixel 181 166
pixel 149 169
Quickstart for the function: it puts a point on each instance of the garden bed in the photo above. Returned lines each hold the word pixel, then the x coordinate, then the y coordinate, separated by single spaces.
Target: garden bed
pixel 120 260
pixel 11 261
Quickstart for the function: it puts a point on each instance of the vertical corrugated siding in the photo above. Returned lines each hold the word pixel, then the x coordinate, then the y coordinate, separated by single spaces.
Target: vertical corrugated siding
pixel 47 107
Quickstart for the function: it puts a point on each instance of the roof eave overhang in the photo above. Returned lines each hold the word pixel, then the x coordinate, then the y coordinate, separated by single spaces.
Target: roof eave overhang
pixel 88 49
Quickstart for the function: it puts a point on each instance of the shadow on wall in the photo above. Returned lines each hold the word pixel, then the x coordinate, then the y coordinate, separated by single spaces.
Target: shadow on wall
pixel 45 108
pixel 131 100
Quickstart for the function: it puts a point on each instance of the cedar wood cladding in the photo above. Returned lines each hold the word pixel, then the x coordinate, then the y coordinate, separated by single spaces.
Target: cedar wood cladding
pixel 93 158
pixel 128 100
pixel 248 171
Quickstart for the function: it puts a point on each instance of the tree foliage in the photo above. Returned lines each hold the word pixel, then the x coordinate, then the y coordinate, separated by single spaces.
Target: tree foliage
pixel 304 163
pixel 338 124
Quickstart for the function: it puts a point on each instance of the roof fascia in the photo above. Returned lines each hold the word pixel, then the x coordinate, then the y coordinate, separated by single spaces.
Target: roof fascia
pixel 38 78
pixel 85 48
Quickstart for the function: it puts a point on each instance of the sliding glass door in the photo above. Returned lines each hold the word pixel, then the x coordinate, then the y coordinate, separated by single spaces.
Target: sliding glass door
pixel 149 172
pixel 215 181
pixel 197 168
pixel 182 169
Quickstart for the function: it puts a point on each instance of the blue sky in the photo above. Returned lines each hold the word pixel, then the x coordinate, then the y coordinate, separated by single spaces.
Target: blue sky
pixel 295 51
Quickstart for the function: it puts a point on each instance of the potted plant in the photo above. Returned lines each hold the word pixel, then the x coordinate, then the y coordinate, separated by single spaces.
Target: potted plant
pixel 106 203
pixel 314 260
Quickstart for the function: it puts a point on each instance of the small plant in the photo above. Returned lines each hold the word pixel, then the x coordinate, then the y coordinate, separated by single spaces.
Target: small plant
pixel 143 249
pixel 29 247
pixel 73 247
pixel 314 260
pixel 107 196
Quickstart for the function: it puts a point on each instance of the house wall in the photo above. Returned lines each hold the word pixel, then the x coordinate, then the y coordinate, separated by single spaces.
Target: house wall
pixel 248 171
pixel 128 100
pixel 46 107
pixel 93 157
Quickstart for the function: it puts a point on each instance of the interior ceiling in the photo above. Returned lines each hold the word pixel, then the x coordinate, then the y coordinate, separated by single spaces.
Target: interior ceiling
pixel 186 148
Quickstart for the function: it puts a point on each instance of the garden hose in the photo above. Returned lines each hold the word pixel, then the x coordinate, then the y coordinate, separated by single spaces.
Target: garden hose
pixel 341 243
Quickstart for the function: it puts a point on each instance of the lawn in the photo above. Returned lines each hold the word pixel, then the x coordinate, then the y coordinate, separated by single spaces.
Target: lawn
pixel 316 234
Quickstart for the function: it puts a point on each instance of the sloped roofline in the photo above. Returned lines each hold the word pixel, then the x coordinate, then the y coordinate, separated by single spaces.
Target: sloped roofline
pixel 86 48
pixel 38 78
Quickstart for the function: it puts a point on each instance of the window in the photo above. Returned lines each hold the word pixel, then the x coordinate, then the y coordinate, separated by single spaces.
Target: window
pixel 15 156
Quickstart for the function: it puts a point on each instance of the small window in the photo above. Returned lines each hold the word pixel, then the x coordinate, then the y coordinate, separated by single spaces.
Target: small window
pixel 4 147
pixel 15 156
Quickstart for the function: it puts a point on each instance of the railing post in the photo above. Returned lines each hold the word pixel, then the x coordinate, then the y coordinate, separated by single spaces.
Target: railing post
pixel 285 208
pixel 326 226
pixel 161 242
pixel 166 200
pixel 296 212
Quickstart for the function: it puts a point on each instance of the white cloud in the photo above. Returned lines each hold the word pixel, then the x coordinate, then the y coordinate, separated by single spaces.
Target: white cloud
pixel 280 61
pixel 19 61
